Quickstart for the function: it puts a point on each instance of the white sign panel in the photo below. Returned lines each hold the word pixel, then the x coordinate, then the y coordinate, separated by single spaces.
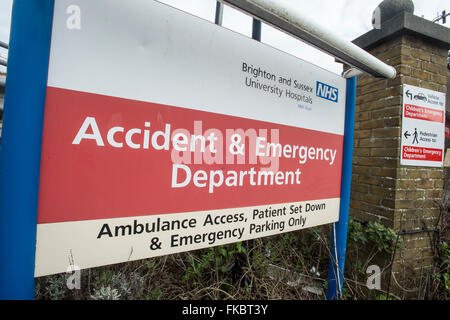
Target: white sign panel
pixel 423 127
pixel 165 133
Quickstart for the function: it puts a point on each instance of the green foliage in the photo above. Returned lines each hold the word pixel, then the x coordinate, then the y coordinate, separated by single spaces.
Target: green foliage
pixel 240 271
pixel 384 238
pixel 56 287
pixel 443 275
pixel 156 294
pixel 103 279
pixel 105 293
pixel 213 259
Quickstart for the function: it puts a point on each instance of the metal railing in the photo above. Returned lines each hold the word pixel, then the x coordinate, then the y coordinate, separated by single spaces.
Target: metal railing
pixel 299 26
pixel 4 62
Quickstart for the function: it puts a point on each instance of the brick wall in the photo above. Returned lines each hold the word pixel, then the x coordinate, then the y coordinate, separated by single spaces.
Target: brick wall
pixel 402 197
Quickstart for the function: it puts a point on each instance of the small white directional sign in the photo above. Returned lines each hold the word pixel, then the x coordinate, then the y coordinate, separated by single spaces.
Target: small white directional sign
pixel 423 127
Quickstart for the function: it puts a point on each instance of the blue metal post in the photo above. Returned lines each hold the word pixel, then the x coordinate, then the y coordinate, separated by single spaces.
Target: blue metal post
pixel 256 29
pixel 339 231
pixel 20 155
pixel 219 13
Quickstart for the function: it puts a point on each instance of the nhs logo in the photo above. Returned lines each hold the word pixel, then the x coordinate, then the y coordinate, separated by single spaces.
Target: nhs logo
pixel 327 92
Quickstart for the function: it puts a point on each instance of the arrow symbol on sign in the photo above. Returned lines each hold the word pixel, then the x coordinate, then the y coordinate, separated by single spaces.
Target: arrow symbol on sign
pixel 407 134
pixel 409 94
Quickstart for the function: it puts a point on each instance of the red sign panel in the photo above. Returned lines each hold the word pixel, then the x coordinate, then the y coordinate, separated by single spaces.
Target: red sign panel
pixel 418 153
pixel 422 113
pixel 111 177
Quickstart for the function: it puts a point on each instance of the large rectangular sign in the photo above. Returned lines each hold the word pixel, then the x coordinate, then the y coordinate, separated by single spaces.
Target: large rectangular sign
pixel 423 127
pixel 165 133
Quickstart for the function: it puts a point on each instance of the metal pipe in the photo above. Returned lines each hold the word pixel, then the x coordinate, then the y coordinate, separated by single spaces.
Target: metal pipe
pixel 4 45
pixel 219 13
pixel 3 63
pixel 352 72
pixel 403 232
pixel 256 29
pixel 298 25
pixel 339 232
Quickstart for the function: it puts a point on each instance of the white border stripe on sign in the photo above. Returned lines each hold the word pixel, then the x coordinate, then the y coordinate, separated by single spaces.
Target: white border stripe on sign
pixel 78 241
pixel 188 63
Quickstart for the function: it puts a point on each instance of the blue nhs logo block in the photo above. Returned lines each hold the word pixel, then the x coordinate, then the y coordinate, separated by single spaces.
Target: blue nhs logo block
pixel 327 92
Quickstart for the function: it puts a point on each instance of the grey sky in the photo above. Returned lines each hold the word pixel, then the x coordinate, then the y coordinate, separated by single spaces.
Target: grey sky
pixel 347 18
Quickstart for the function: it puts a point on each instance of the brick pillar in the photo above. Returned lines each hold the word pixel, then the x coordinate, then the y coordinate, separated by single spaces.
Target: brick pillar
pixel 405 198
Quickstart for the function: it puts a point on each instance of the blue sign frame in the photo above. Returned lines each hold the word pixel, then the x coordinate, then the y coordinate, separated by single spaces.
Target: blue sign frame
pixel 20 154
pixel 339 231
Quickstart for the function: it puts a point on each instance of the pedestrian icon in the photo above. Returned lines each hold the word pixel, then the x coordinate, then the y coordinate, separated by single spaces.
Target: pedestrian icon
pixel 415 136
